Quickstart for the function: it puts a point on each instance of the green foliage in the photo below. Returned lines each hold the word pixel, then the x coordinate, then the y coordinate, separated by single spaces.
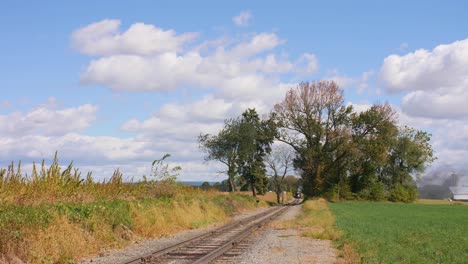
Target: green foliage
pixel 402 193
pixel 224 147
pixel 374 192
pixel 337 192
pixel 410 154
pixel 314 121
pixel 257 137
pixel 404 233
pixel 242 145
pixel 336 147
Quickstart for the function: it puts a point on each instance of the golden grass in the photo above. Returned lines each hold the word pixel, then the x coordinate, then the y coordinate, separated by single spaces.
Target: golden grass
pixel 268 197
pixel 156 221
pixel 53 215
pixel 67 238
pixel 52 184
pixel 60 242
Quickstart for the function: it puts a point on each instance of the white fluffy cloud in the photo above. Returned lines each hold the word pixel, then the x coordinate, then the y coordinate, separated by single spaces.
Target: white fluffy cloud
pixel 231 74
pixel 37 134
pixel 441 103
pixel 43 130
pixel 184 122
pixel 436 81
pixel 47 121
pixel 229 66
pixel 104 38
pixel 243 18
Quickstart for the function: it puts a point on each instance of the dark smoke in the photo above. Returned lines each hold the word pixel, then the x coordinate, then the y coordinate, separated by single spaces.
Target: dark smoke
pixel 435 184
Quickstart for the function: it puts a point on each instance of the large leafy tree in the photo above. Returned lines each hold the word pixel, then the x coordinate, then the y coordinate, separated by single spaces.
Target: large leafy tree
pixel 339 151
pixel 255 144
pixel 224 147
pixel 313 120
pixel 242 145
pixel 374 132
pixel 386 158
pixel 409 155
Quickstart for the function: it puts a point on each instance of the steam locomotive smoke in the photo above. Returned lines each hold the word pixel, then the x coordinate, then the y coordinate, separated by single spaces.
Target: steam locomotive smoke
pixel 435 184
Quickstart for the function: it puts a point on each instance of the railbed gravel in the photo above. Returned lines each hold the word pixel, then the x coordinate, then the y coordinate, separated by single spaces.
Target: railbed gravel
pixel 272 245
pixel 147 246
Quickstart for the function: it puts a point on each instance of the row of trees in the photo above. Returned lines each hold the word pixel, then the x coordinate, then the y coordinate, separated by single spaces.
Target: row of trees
pixel 338 152
pixel 290 183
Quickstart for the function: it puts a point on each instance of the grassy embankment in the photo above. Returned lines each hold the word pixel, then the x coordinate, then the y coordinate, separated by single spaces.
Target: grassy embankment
pixel 53 216
pixel 404 233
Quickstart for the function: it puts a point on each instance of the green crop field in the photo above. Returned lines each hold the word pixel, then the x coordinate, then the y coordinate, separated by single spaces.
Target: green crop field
pixel 404 233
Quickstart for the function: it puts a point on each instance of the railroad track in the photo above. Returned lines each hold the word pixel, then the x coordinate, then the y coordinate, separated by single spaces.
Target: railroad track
pixel 211 245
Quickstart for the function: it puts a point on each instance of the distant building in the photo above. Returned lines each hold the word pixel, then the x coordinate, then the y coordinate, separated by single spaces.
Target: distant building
pixel 459 193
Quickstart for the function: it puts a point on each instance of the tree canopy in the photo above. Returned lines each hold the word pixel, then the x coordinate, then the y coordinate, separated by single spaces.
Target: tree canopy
pixel 341 153
pixel 338 152
pixel 242 145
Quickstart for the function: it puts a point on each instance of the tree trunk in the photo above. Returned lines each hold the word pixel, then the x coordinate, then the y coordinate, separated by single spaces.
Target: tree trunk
pixel 232 184
pixel 252 184
pixel 232 187
pixel 318 179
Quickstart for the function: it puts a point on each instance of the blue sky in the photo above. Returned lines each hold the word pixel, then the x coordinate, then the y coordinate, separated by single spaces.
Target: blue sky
pixel 71 77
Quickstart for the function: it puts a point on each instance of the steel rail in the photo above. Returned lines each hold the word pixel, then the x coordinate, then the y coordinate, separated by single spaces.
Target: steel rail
pixel 236 240
pixel 190 240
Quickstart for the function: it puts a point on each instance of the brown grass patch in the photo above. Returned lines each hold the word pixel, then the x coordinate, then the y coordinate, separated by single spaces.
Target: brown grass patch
pixel 348 255
pixel 157 221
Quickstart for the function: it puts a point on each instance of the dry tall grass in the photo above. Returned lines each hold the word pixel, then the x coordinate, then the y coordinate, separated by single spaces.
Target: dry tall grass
pixel 53 184
pixel 54 215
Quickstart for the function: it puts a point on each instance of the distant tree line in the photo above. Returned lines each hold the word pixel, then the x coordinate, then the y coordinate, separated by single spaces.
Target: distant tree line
pixel 290 183
pixel 339 153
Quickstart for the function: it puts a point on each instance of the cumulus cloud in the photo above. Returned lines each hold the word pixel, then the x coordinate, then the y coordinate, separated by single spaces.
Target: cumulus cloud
pixel 444 66
pixel 104 38
pixel 243 19
pixel 47 121
pixel 231 74
pixel 436 81
pixel 248 63
pixel 360 83
pixel 36 134
pixel 184 122
pixel 441 103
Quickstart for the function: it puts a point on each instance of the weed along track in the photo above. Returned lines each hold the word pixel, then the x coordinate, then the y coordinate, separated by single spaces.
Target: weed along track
pixel 212 245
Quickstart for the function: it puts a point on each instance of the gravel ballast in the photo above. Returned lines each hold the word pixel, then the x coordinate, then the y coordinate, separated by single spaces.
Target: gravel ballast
pixel 287 246
pixel 269 245
pixel 150 245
